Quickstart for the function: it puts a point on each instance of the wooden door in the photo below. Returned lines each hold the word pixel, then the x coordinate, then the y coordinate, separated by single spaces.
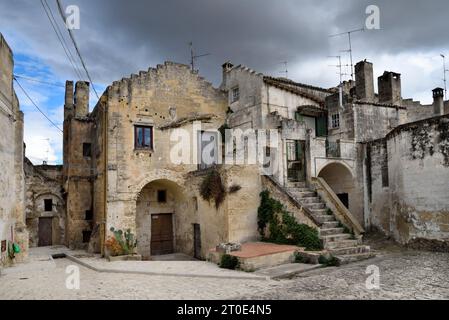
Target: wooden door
pixel 45 232
pixel 196 241
pixel 296 161
pixel 161 234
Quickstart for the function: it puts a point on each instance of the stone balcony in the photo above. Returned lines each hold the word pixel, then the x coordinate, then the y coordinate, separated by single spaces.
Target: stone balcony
pixel 324 150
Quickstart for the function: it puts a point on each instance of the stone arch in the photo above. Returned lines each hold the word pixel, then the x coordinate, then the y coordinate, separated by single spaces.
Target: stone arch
pixel 336 162
pixel 162 201
pixel 341 180
pixel 157 175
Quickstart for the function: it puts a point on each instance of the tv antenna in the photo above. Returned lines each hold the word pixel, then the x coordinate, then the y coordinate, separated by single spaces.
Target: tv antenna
pixel 47 151
pixel 349 33
pixel 285 63
pixel 444 75
pixel 341 74
pixel 194 57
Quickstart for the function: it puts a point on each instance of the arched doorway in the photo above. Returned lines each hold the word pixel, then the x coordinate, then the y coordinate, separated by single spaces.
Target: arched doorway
pixel 341 181
pixel 158 208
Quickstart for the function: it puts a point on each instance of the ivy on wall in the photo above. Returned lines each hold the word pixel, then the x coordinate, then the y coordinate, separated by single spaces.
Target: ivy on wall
pixel 278 226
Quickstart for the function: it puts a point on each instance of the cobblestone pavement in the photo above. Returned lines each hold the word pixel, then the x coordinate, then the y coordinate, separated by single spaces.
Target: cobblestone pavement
pixel 403 275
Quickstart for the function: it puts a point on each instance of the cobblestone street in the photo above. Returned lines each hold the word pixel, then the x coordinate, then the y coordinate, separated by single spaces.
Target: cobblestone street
pixel 403 275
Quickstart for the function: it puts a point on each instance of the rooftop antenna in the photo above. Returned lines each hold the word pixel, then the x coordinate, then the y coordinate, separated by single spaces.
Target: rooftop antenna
pixel 285 63
pixel 341 74
pixel 47 151
pixel 444 75
pixel 194 57
pixel 349 33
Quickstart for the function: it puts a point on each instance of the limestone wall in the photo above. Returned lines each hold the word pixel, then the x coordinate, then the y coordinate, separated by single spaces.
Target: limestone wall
pixel 415 203
pixel 44 182
pixel 12 185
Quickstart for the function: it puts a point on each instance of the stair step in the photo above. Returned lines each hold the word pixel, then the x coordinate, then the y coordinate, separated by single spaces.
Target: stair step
pixel 349 250
pixel 315 205
pixel 345 259
pixel 340 244
pixel 298 190
pixel 320 212
pixel 296 184
pixel 336 237
pixel 330 224
pixel 310 200
pixel 331 231
pixel 324 218
pixel 304 194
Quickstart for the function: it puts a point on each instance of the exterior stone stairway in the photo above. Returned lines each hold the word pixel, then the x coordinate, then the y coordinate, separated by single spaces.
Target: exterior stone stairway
pixel 340 244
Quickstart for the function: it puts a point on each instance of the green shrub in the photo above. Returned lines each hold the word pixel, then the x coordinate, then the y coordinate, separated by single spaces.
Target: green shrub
pixel 328 262
pixel 229 262
pixel 300 258
pixel 329 212
pixel 283 228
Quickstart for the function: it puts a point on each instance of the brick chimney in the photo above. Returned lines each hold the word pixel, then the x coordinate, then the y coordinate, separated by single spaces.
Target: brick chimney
pixel 390 88
pixel 438 101
pixel 364 81
pixel 69 110
pixel 226 67
pixel 82 98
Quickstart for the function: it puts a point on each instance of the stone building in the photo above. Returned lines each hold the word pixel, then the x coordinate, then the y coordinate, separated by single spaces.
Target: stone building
pixel 375 159
pixel 44 205
pixel 118 171
pixel 12 183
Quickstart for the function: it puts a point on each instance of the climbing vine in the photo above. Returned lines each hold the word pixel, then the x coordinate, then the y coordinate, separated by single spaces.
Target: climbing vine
pixel 282 226
pixel 212 188
pixel 421 142
pixel 443 129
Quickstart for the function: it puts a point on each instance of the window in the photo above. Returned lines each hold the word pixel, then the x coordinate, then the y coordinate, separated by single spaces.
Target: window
pixel 235 94
pixel 162 196
pixel 86 236
pixel 48 205
pixel 143 137
pixel 208 149
pixel 87 149
pixel 335 121
pixel 89 215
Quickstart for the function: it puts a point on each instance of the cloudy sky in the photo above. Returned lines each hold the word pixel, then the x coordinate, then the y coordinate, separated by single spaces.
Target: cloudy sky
pixel 117 38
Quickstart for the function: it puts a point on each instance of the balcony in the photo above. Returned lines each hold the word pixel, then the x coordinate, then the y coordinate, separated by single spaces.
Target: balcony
pixel 324 150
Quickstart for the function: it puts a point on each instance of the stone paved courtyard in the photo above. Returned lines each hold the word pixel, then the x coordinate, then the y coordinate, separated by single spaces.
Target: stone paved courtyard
pixel 404 274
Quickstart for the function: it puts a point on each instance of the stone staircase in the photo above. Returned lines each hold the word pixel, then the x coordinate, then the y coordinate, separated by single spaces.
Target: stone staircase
pixel 340 244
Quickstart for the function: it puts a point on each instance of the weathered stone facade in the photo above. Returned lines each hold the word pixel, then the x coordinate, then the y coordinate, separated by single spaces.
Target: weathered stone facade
pixel 12 183
pixel 128 186
pixel 44 199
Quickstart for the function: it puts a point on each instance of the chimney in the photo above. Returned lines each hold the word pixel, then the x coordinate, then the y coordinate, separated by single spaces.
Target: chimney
pixel 226 67
pixel 390 88
pixel 438 101
pixel 82 98
pixel 68 106
pixel 364 81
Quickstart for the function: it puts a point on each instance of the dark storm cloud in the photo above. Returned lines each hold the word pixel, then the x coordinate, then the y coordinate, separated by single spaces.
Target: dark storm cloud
pixel 121 37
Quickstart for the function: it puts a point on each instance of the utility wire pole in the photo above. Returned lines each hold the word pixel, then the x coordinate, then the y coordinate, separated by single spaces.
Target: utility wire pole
pixel 194 57
pixel 349 33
